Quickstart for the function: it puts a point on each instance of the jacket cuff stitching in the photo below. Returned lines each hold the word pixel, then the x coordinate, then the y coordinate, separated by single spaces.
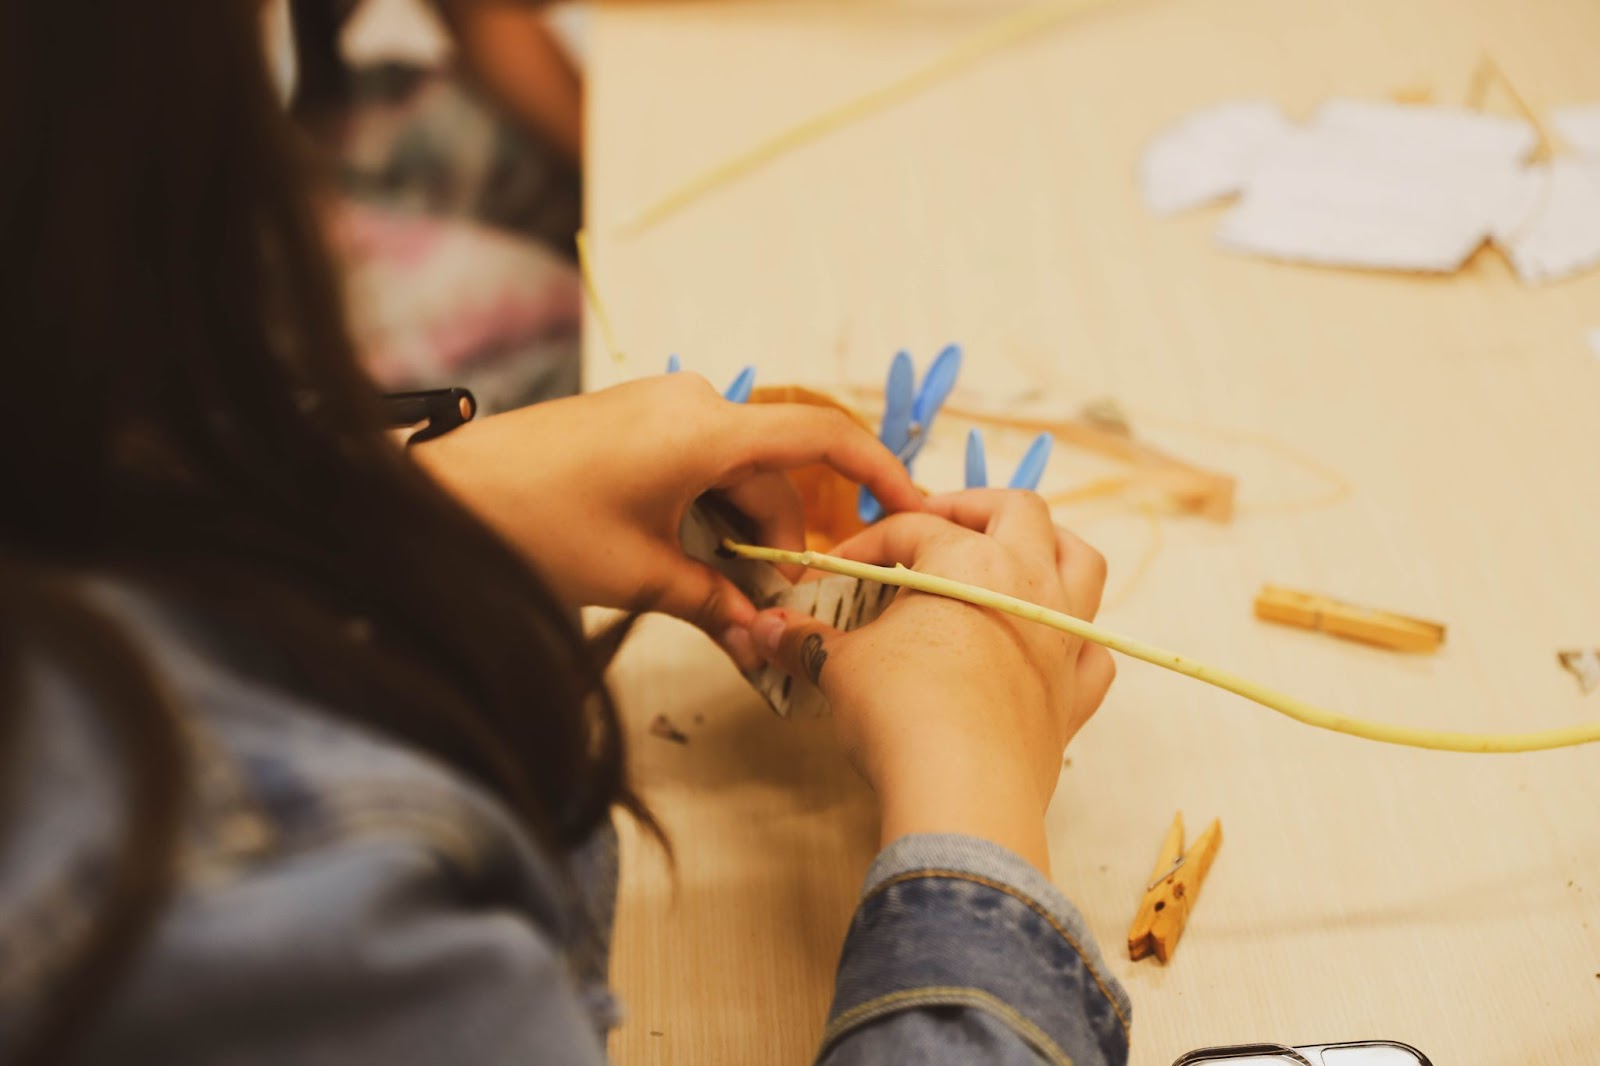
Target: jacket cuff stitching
pixel 1021 897
pixel 946 996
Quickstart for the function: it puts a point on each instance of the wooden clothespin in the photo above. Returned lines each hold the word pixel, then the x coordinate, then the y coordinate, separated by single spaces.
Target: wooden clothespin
pixel 1308 610
pixel 1172 891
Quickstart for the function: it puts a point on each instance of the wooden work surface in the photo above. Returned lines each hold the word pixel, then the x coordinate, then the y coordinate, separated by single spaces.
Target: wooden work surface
pixel 1363 891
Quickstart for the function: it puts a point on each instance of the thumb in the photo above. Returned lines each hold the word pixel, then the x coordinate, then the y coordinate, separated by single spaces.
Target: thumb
pixel 688 589
pixel 796 643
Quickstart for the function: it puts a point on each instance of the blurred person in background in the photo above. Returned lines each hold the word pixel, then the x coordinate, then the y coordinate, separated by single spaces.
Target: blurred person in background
pixel 451 137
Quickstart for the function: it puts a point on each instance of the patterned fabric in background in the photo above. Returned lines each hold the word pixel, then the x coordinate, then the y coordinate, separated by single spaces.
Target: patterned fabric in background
pixel 457 234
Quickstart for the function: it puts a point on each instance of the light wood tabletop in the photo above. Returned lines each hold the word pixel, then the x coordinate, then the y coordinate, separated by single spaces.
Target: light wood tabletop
pixel 1426 445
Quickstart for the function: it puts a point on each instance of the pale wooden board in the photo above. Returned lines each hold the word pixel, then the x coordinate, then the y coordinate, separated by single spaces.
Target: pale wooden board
pixel 1362 891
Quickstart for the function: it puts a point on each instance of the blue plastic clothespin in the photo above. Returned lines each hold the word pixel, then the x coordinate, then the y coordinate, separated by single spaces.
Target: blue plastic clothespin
pixel 743 385
pixel 738 392
pixel 977 466
pixel 899 396
pixel 936 388
pixel 1029 472
pixel 909 411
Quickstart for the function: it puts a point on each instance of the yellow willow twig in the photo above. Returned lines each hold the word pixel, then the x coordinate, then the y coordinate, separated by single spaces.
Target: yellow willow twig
pixel 1299 710
pixel 1009 30
pixel 592 289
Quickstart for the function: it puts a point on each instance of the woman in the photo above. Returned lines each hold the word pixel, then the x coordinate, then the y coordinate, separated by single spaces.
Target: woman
pixel 304 759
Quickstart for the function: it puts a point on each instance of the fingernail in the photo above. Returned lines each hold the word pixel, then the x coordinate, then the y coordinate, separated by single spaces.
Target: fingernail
pixel 768 632
pixel 736 641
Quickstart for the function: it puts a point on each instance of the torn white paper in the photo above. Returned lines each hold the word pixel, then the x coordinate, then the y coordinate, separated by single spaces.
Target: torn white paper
pixel 1340 196
pixel 1208 155
pixel 1551 228
pixel 1525 194
pixel 1579 127
pixel 1364 184
pixel 1441 132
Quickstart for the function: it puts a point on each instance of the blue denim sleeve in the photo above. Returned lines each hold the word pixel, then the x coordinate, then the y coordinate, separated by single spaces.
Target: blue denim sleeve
pixel 339 899
pixel 961 952
pixel 360 954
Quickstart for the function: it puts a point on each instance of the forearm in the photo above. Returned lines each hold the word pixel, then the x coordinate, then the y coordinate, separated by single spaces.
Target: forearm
pixel 953 758
pixel 942 789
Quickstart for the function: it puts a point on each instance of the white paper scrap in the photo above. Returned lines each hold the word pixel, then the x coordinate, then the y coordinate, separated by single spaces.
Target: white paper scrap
pixel 1440 131
pixel 1524 196
pixel 1337 196
pixel 1579 126
pixel 1206 156
pixel 1554 232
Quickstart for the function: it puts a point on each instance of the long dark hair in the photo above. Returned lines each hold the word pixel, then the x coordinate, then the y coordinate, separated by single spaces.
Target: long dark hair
pixel 182 408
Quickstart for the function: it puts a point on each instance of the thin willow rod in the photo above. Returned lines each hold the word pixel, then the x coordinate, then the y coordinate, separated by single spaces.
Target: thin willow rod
pixel 592 289
pixel 1008 30
pixel 1299 710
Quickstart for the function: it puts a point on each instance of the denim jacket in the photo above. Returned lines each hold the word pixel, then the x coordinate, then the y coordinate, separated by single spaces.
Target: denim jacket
pixel 344 899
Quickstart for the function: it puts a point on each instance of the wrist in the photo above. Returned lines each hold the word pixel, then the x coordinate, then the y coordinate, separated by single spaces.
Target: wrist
pixel 973 790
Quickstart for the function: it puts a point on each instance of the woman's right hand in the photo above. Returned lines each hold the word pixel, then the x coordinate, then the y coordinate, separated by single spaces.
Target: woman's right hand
pixel 958 715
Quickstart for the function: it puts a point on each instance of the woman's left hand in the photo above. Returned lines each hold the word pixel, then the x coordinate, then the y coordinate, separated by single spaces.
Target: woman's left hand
pixel 594 488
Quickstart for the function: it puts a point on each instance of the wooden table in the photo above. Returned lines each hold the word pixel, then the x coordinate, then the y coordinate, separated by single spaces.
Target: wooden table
pixel 1364 891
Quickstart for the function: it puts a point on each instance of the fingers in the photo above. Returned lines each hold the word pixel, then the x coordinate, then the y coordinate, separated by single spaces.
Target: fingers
pixel 694 592
pixel 900 538
pixel 1096 670
pixel 1015 518
pixel 773 504
pixel 972 508
pixel 1023 520
pixel 796 643
pixel 1083 573
pixel 772 437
